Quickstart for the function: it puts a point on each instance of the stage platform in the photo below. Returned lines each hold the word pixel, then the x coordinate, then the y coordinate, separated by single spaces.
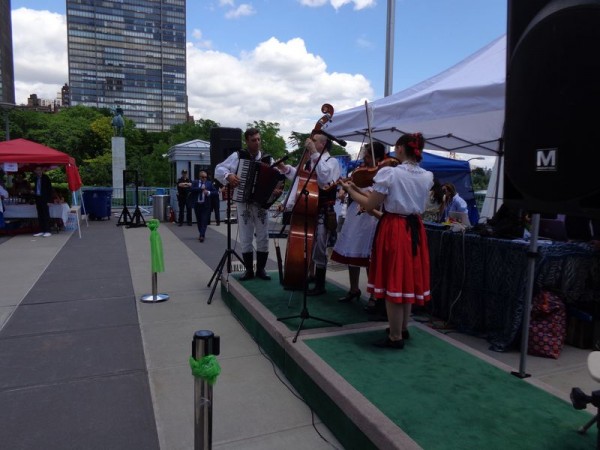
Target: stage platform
pixel 435 393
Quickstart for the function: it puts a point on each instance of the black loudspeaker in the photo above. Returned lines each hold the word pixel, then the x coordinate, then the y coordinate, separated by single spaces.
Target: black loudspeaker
pixel 223 142
pixel 552 123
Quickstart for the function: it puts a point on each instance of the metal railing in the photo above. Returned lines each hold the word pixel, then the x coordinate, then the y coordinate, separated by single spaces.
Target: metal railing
pixel 145 197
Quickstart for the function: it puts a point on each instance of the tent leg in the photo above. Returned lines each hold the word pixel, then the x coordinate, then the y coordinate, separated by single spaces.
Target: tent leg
pixel 87 224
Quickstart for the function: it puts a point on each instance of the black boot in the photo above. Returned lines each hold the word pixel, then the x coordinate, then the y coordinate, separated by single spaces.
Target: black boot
pixel 261 262
pixel 319 288
pixel 248 262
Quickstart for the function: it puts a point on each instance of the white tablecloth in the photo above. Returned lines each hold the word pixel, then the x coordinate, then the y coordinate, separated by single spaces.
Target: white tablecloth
pixel 57 211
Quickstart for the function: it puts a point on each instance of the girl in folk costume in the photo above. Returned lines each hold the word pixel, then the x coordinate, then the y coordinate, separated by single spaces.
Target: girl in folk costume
pixel 353 246
pixel 399 267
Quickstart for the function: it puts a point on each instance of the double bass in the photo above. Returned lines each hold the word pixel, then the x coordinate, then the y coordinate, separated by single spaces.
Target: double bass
pixel 303 221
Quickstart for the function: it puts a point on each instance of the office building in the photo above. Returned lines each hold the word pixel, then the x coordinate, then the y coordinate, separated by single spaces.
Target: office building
pixel 7 72
pixel 129 54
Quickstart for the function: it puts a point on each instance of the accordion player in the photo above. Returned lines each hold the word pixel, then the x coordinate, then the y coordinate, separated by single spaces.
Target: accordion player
pixel 258 183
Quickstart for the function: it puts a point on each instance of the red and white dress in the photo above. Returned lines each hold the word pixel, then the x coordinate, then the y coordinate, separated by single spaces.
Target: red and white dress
pixel 396 272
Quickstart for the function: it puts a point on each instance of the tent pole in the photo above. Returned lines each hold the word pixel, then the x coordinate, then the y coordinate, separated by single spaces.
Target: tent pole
pixel 83 209
pixel 499 172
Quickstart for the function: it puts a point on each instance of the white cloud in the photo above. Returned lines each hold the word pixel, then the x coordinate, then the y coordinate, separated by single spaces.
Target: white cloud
pixel 277 81
pixel 203 43
pixel 363 42
pixel 337 4
pixel 313 3
pixel 39 53
pixel 241 11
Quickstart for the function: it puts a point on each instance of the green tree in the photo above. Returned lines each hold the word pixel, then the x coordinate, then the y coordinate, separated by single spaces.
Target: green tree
pixel 21 120
pixel 86 133
pixel 190 131
pixel 97 171
pixel 69 130
pixel 480 178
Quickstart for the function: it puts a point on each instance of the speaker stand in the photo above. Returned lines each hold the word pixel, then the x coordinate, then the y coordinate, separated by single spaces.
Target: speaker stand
pixel 532 254
pixel 125 218
pixel 304 314
pixel 226 258
pixel 137 220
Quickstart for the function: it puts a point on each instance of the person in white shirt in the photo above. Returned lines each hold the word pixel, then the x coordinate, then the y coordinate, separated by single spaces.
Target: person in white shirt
pixel 327 171
pixel 253 219
pixel 399 266
pixel 353 246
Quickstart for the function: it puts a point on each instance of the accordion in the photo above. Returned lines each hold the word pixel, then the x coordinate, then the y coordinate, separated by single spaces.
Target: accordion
pixel 258 180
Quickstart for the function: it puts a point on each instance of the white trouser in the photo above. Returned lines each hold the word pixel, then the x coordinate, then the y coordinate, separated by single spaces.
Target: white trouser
pixel 252 219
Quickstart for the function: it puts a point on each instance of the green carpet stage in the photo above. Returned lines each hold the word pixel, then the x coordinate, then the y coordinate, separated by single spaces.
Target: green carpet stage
pixel 434 394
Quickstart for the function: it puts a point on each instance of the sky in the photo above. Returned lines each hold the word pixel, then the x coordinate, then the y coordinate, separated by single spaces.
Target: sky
pixel 280 60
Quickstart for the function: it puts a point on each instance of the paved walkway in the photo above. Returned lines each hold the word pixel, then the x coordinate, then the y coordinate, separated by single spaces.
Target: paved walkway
pixel 85 365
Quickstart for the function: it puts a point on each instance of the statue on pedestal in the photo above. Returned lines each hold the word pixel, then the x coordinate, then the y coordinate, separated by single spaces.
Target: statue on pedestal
pixel 118 122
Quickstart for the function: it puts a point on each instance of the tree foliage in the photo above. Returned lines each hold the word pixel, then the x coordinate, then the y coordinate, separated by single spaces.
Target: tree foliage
pixel 480 178
pixel 86 134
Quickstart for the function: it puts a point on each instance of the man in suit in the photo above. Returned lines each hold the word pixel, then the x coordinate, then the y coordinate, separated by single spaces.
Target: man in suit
pixel 202 192
pixel 42 192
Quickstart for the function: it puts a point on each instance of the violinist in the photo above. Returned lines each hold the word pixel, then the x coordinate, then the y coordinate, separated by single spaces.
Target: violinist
pixel 353 246
pixel 327 170
pixel 399 266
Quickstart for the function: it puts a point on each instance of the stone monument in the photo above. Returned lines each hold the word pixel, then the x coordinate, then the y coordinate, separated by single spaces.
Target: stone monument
pixel 118 153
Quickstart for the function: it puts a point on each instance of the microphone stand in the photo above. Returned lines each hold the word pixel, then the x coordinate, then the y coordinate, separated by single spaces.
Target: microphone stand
pixel 226 258
pixel 304 314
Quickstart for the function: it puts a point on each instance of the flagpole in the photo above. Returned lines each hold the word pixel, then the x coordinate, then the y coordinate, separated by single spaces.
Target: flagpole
pixel 389 47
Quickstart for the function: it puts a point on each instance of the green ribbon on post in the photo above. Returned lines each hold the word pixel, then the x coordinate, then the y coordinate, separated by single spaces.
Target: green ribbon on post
pixel 156 249
pixel 206 368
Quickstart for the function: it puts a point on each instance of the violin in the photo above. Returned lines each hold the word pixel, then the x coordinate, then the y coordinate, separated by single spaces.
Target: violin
pixel 362 177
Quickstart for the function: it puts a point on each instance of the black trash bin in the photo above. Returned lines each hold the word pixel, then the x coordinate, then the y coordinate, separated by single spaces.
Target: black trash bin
pixel 97 203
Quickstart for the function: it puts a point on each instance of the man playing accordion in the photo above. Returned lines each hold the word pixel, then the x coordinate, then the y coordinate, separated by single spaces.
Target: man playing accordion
pixel 253 218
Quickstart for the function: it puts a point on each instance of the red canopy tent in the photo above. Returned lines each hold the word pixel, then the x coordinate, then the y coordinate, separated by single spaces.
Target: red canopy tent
pixel 22 151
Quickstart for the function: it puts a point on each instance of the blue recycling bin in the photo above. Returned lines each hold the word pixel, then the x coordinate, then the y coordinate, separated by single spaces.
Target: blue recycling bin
pixel 97 203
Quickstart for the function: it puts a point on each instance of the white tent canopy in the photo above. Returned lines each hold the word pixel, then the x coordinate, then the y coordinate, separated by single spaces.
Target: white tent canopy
pixel 459 110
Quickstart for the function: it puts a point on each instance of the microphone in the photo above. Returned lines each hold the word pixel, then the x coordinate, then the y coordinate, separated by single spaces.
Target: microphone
pixel 341 142
pixel 287 155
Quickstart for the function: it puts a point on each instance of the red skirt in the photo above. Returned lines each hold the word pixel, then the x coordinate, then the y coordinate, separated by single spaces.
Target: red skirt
pixel 394 273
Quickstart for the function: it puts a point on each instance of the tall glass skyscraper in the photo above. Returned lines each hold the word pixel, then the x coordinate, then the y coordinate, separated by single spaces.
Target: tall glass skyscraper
pixel 7 71
pixel 131 54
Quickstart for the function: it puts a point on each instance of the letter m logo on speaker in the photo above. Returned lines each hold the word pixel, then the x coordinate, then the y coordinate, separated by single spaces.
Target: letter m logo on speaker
pixel 546 160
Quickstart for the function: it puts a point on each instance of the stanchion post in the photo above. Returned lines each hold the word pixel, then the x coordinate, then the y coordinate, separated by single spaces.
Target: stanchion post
pixel 157 264
pixel 205 344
